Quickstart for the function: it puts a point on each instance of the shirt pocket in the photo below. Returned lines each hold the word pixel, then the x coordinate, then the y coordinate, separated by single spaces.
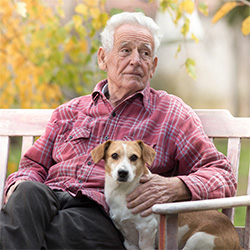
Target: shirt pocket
pixel 72 145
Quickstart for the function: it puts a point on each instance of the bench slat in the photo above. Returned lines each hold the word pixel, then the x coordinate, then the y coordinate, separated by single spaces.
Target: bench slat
pixel 4 153
pixel 27 143
pixel 220 123
pixel 20 122
pixel 233 154
pixel 201 205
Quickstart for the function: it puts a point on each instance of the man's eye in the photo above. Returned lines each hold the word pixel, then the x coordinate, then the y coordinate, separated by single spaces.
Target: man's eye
pixel 114 156
pixel 125 50
pixel 133 158
pixel 145 54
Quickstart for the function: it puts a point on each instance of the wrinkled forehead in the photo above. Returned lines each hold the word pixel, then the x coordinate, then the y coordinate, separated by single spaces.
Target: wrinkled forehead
pixel 133 34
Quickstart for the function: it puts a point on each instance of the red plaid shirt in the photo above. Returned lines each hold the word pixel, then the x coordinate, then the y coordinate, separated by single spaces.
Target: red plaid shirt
pixel 61 159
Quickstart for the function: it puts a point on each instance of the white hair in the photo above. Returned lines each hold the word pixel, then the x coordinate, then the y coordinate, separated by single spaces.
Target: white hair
pixel 136 18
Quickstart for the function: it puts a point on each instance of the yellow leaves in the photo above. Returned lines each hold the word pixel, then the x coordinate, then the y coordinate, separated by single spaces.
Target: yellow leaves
pixel 95 12
pixel 193 37
pixel 83 46
pixel 187 6
pixel 81 9
pixel 185 27
pixel 245 26
pixel 92 11
pixel 22 41
pixel 190 68
pixel 203 8
pixel 39 54
pixel 77 21
pixel 224 9
pixel 91 3
pixel 178 51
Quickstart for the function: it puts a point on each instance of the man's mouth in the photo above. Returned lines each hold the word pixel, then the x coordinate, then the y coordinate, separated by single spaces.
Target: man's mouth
pixel 133 74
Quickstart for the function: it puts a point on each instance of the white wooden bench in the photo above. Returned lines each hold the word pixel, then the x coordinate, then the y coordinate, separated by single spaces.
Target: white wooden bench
pixel 29 123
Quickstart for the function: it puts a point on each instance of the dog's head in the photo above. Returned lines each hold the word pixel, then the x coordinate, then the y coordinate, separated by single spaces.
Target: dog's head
pixel 124 160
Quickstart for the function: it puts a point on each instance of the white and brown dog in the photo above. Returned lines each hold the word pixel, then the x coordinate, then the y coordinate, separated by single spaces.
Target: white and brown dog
pixel 125 163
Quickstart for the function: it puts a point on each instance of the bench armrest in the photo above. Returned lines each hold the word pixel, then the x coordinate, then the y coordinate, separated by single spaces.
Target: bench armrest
pixel 200 205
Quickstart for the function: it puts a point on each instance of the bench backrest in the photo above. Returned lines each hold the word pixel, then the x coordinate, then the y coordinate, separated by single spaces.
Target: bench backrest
pixel 29 123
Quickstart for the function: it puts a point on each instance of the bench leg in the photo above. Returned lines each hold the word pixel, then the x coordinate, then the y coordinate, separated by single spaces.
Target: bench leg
pixel 168 232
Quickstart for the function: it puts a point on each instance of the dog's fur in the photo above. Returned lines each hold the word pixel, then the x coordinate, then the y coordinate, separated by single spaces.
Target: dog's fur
pixel 125 163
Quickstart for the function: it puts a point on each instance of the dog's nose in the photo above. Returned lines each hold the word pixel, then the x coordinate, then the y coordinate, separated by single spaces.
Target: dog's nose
pixel 122 175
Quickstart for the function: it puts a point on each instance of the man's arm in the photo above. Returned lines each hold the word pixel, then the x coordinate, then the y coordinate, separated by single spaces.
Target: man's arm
pixel 203 172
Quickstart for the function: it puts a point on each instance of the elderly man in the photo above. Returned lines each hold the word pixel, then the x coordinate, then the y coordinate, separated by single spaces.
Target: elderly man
pixel 56 199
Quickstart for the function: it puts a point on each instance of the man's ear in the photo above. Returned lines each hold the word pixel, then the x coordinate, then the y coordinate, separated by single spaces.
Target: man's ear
pixel 155 63
pixel 101 54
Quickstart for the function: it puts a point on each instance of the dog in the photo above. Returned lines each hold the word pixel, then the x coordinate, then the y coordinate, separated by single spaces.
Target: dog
pixel 125 163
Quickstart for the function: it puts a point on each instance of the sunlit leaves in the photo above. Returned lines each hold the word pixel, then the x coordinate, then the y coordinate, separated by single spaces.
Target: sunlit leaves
pixel 187 6
pixel 223 10
pixel 245 26
pixel 193 37
pixel 226 8
pixel 40 56
pixel 81 9
pixel 185 27
pixel 190 68
pixel 203 8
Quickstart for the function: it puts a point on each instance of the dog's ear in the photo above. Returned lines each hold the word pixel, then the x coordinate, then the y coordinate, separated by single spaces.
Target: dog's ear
pixel 98 153
pixel 148 153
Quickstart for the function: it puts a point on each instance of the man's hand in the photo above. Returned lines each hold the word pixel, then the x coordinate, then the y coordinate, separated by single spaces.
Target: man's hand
pixel 12 189
pixel 156 189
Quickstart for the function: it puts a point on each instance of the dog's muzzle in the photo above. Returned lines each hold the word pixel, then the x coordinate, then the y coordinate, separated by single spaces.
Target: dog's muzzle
pixel 123 175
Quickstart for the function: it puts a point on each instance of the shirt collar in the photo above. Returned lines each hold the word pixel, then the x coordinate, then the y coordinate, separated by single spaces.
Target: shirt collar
pixel 101 89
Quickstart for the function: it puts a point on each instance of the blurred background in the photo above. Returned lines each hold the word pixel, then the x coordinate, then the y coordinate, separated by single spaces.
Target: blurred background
pixel 48 51
pixel 48 55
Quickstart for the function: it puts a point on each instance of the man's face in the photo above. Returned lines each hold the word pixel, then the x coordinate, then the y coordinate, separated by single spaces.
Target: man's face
pixel 130 64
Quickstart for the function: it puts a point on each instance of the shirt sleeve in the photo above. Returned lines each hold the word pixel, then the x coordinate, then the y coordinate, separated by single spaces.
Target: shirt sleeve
pixel 205 171
pixel 37 160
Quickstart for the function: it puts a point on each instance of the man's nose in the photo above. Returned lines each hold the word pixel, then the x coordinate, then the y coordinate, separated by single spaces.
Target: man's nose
pixel 135 58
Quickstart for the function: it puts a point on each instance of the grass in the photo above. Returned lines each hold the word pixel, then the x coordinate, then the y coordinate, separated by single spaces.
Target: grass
pixel 240 213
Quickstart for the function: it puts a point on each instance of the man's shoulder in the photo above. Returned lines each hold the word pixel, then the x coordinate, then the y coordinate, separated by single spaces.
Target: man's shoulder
pixel 161 97
pixel 171 105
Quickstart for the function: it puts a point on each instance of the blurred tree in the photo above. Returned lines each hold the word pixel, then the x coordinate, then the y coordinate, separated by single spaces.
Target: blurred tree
pixel 40 56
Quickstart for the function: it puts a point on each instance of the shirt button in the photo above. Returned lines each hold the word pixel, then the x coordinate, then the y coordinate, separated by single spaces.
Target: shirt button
pixel 70 137
pixel 80 181
pixel 106 138
pixel 89 163
pixel 113 114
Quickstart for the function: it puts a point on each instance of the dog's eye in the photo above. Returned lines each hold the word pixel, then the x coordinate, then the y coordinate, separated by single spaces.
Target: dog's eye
pixel 114 156
pixel 133 158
